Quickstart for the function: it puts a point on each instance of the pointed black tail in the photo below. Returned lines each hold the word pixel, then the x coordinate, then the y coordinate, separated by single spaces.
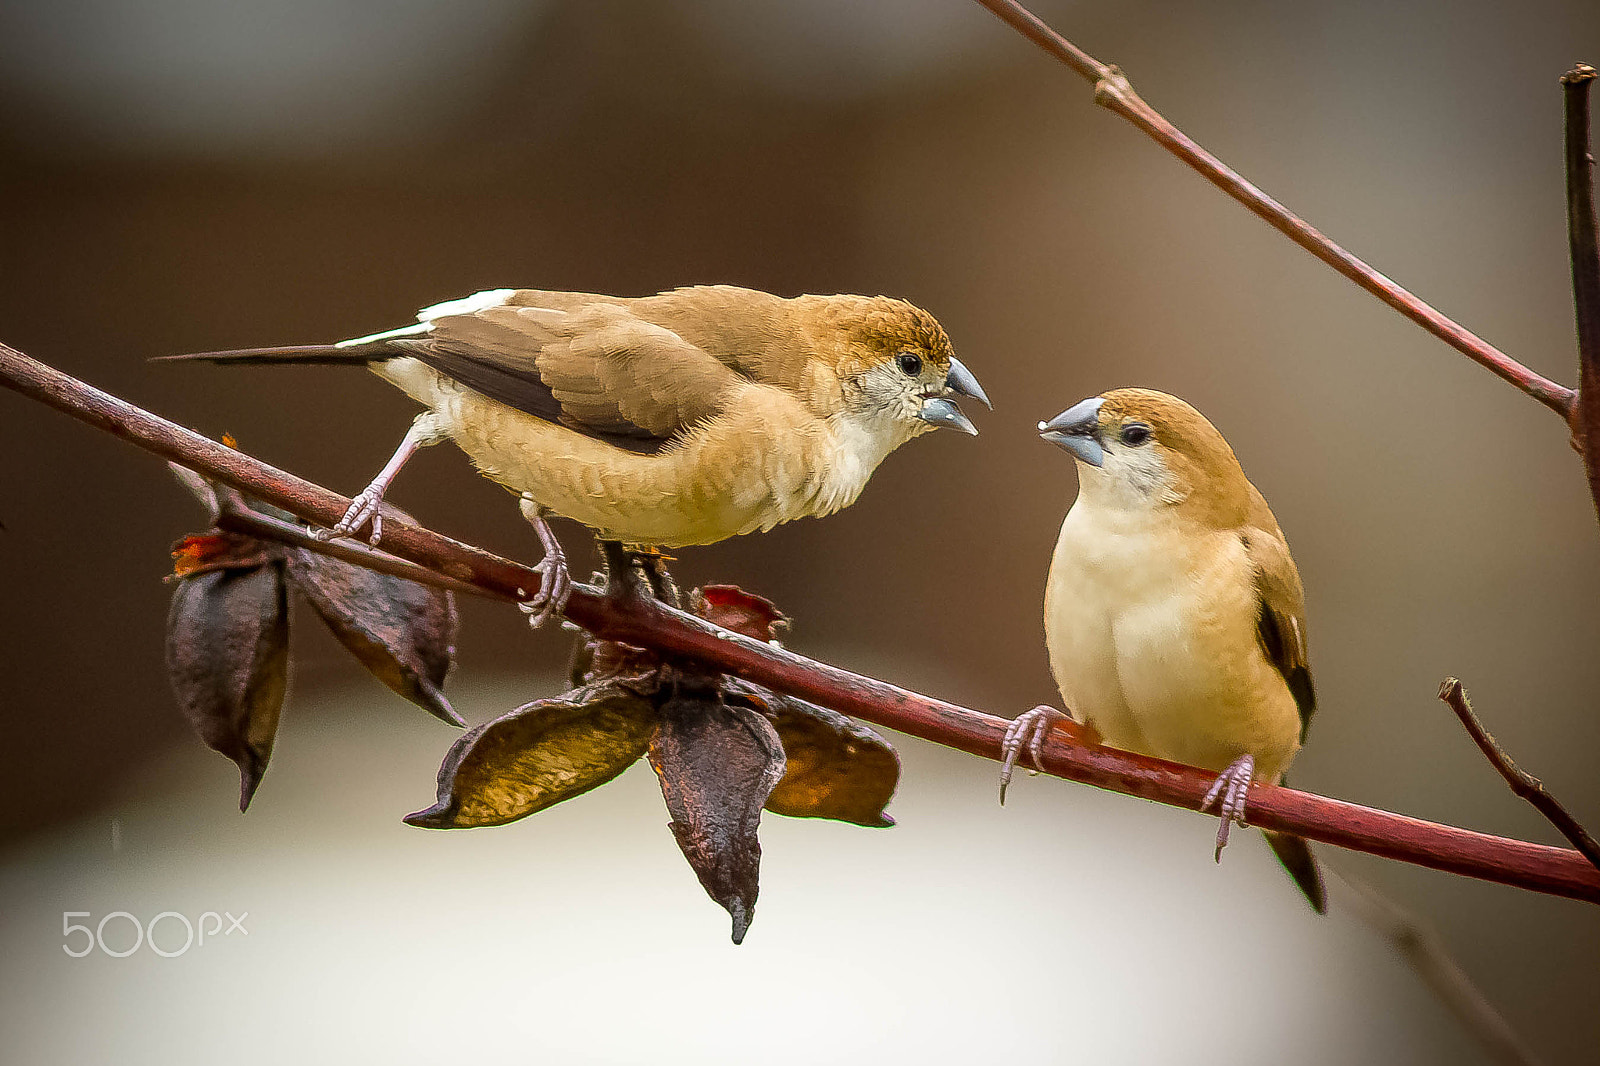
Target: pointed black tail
pixel 1295 854
pixel 358 354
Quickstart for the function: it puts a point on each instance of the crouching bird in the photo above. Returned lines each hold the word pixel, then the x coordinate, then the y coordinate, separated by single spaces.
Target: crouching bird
pixel 660 421
pixel 1174 615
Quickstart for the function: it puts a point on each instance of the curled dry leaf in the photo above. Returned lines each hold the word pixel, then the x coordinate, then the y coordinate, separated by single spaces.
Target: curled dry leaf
pixel 718 763
pixel 731 607
pixel 203 552
pixel 539 755
pixel 718 745
pixel 228 660
pixel 837 767
pixel 401 631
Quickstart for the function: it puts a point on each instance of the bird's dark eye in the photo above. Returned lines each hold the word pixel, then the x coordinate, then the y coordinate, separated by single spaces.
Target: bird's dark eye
pixel 1135 433
pixel 910 363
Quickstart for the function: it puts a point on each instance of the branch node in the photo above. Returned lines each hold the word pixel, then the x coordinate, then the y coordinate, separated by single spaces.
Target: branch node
pixel 1579 73
pixel 1113 87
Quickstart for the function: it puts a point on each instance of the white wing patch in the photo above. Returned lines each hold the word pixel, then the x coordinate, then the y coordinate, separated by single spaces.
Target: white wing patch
pixel 467 305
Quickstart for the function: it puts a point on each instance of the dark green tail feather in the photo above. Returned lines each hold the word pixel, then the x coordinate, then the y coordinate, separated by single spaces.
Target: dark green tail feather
pixel 1295 854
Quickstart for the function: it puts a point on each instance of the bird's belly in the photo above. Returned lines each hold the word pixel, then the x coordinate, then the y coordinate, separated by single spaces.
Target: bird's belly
pixel 665 499
pixel 1201 696
pixel 711 487
pixel 1162 657
pixel 1083 659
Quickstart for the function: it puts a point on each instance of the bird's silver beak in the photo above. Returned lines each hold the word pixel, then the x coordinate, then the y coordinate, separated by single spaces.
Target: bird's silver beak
pixel 938 411
pixel 962 383
pixel 1077 429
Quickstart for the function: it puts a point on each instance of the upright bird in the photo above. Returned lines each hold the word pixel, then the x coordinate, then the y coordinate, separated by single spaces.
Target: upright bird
pixel 661 421
pixel 1174 615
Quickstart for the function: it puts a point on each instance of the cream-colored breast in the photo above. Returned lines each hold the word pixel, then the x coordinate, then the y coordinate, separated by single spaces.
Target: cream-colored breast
pixel 1151 628
pixel 768 460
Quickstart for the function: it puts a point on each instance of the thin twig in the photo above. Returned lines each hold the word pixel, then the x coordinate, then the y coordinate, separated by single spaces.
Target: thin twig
pixel 236 518
pixel 1585 249
pixel 647 623
pixel 1425 953
pixel 1522 783
pixel 1112 91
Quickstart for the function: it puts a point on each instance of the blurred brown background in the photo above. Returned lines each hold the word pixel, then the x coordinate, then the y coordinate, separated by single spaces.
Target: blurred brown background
pixel 182 175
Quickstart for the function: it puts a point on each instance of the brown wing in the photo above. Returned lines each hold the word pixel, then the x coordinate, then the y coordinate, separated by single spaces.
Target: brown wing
pixel 1282 611
pixel 1281 626
pixel 595 368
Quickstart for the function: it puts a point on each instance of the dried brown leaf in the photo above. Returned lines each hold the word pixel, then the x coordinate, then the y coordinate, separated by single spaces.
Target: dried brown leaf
pixel 837 767
pixel 401 631
pixel 718 763
pixel 539 755
pixel 204 552
pixel 228 660
pixel 731 607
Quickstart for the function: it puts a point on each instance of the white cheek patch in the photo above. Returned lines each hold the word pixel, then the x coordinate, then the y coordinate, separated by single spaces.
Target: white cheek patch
pixel 884 390
pixel 1141 473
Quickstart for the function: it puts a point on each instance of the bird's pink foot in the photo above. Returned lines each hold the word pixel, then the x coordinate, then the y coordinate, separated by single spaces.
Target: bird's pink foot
pixel 555 580
pixel 1027 732
pixel 368 506
pixel 1228 795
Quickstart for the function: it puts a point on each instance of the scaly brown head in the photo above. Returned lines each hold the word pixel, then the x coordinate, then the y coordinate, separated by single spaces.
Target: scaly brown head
pixel 893 365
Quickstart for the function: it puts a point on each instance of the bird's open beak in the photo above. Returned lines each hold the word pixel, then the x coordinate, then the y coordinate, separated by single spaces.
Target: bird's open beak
pixel 938 411
pixel 962 383
pixel 1077 429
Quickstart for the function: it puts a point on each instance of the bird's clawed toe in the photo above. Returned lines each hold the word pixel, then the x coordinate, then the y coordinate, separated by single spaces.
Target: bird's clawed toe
pixel 1228 794
pixel 368 506
pixel 555 588
pixel 1026 732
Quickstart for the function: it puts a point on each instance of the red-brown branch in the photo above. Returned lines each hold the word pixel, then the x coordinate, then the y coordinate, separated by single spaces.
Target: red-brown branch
pixel 1558 871
pixel 1585 250
pixel 1111 90
pixel 1524 784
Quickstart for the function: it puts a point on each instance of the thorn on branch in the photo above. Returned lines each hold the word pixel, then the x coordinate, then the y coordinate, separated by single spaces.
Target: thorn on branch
pixel 1522 783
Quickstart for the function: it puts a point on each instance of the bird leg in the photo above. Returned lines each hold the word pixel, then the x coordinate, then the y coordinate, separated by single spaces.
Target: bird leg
pixel 626 577
pixel 1231 788
pixel 368 504
pixel 1026 732
pixel 555 580
pixel 653 561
